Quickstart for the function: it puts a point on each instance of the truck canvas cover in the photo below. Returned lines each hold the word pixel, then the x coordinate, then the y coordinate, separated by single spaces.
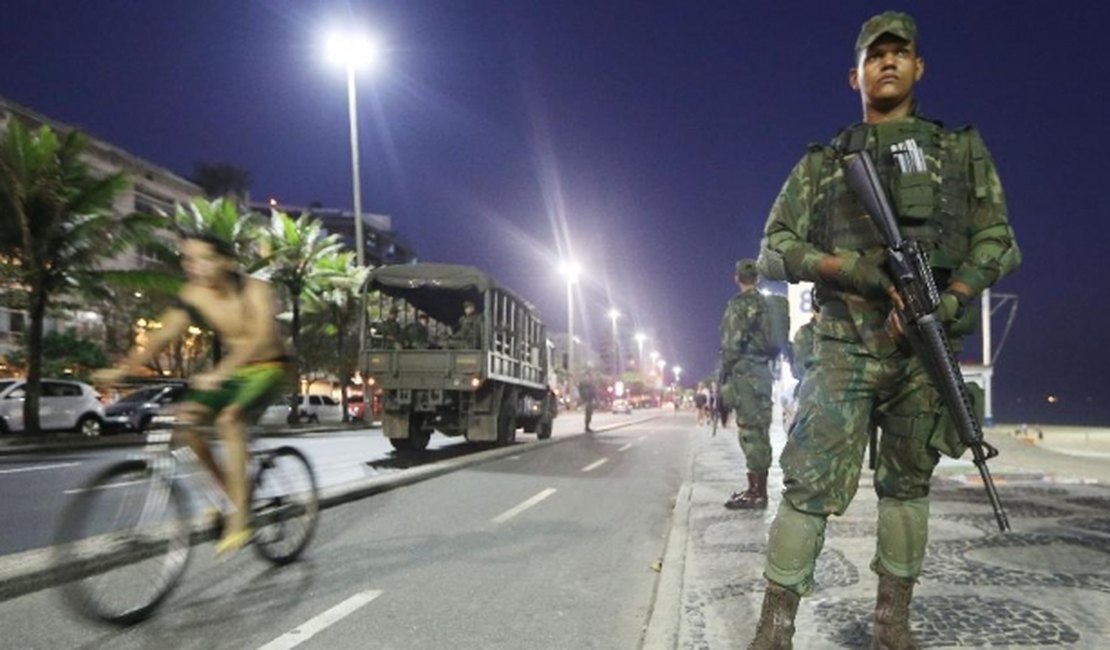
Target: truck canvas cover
pixel 437 289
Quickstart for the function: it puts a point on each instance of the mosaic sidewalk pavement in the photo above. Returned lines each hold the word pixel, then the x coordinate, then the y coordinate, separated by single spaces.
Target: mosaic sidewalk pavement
pixel 1044 585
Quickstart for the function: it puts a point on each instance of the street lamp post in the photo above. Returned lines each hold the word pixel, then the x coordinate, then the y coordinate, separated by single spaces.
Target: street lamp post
pixel 570 270
pixel 614 314
pixel 353 52
pixel 640 338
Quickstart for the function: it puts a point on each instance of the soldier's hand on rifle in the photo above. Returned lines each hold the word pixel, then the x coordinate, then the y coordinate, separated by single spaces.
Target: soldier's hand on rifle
pixel 862 276
pixel 953 304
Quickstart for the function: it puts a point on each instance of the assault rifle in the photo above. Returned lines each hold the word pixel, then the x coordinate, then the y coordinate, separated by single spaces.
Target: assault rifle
pixel 915 285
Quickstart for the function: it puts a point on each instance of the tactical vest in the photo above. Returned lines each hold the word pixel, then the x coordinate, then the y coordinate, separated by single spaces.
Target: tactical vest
pixel 932 207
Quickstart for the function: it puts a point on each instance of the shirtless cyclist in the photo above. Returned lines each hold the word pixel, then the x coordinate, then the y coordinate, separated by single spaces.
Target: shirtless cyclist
pixel 241 311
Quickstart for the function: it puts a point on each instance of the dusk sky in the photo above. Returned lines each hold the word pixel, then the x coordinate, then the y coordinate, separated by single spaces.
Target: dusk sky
pixel 655 135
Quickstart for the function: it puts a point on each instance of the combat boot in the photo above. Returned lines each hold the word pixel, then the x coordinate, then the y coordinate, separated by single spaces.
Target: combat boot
pixel 775 630
pixel 754 498
pixel 892 615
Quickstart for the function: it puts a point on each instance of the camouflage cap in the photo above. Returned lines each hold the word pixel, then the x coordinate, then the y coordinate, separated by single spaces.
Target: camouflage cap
pixel 889 22
pixel 745 270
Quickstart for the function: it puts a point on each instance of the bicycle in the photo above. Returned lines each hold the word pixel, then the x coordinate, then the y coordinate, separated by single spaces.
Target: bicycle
pixel 127 535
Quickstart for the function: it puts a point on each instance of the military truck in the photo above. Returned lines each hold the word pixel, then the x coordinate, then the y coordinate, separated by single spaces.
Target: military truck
pixel 484 392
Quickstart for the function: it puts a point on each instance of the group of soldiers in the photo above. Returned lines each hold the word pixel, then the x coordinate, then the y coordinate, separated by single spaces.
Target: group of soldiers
pixel 858 373
pixel 467 334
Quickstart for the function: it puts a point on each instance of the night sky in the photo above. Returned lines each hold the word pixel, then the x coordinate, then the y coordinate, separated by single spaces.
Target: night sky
pixel 654 135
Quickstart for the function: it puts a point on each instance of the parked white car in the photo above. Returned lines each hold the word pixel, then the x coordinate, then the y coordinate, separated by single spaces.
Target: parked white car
pixel 63 405
pixel 312 408
pixel 320 408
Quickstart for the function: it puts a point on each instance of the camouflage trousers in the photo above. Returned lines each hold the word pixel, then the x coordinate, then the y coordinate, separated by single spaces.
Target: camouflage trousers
pixel 748 393
pixel 845 395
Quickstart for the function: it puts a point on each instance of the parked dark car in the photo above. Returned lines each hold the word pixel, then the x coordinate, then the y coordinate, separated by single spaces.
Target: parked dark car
pixel 134 411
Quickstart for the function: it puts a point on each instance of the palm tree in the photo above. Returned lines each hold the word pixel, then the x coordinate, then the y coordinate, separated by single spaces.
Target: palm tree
pixel 333 302
pixel 292 249
pixel 56 227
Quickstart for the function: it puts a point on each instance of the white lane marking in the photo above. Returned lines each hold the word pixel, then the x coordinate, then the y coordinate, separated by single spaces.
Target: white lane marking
pixel 516 510
pixel 595 464
pixel 318 623
pixel 626 447
pixel 105 487
pixel 37 468
pixel 641 439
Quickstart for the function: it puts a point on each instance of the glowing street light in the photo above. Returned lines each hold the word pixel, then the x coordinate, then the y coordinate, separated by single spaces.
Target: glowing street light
pixel 570 269
pixel 640 338
pixel 355 52
pixel 677 370
pixel 614 314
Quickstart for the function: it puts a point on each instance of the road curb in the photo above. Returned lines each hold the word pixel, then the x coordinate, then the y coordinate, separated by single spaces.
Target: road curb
pixel 15 445
pixel 665 618
pixel 38 569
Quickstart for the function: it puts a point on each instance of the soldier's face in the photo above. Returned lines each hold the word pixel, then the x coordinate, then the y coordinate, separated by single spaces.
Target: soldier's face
pixel 886 73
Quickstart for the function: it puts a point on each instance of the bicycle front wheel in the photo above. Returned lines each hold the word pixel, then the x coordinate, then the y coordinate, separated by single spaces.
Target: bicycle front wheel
pixel 124 537
pixel 284 506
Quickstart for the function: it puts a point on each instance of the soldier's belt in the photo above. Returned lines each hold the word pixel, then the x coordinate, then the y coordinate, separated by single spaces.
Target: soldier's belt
pixel 836 310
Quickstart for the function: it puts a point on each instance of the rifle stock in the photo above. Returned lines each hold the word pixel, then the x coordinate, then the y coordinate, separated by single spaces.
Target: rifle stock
pixel 913 279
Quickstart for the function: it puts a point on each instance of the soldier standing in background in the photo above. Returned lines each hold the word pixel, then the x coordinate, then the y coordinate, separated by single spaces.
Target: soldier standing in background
pixel 819 232
pixel 747 382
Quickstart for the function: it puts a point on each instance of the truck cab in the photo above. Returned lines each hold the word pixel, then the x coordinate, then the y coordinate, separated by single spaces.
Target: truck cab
pixel 484 387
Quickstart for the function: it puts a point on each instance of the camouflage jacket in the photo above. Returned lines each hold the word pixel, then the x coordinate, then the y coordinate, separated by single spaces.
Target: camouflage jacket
pixel 468 333
pixel 416 337
pixel 962 187
pixel 390 333
pixel 804 341
pixel 744 329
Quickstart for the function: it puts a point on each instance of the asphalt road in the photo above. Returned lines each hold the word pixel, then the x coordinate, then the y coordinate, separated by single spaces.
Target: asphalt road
pixel 551 547
pixel 37 485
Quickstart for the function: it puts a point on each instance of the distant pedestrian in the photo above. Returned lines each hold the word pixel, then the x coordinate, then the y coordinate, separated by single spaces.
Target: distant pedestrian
pixel 587 394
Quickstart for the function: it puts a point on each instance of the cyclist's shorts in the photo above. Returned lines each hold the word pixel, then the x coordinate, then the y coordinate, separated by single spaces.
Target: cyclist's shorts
pixel 250 387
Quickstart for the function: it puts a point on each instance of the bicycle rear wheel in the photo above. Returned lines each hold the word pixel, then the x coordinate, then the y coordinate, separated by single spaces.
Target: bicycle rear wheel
pixel 124 538
pixel 284 505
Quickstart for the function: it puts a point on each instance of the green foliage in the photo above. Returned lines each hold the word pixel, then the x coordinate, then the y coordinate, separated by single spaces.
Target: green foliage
pixel 221 219
pixel 72 355
pixel 56 228
pixel 56 219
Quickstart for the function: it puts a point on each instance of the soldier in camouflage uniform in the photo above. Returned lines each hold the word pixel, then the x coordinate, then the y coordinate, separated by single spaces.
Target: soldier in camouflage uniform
pixel 389 331
pixel 746 389
pixel 803 351
pixel 819 232
pixel 468 333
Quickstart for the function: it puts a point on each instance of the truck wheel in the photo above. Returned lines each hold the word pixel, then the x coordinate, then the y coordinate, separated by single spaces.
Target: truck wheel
pixel 543 432
pixel 418 435
pixel 506 421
